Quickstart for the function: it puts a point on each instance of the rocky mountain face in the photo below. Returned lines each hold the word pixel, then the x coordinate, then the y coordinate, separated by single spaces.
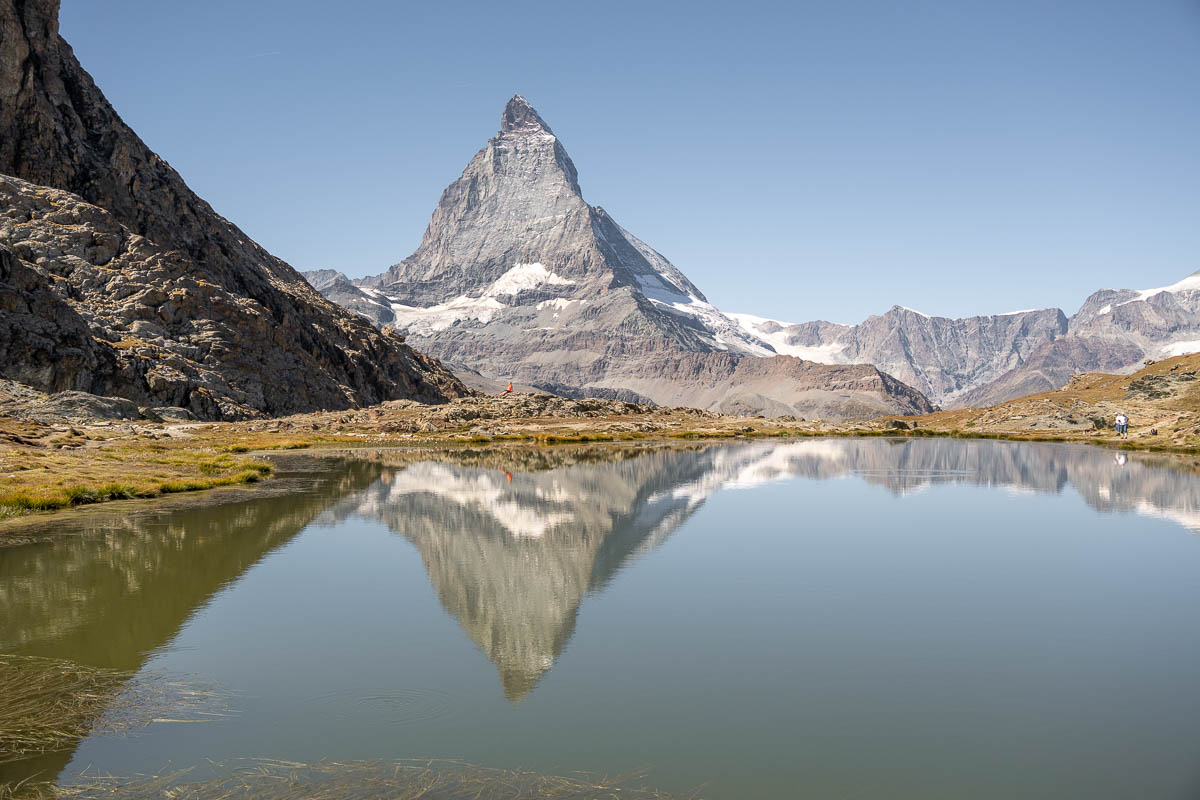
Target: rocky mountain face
pixel 943 358
pixel 519 279
pixel 980 361
pixel 180 308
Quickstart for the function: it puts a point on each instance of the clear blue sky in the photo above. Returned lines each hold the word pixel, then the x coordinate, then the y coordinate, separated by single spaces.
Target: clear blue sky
pixel 797 160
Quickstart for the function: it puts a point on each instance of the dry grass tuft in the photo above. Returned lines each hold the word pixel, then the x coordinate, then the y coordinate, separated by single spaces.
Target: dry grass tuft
pixel 359 780
pixel 48 704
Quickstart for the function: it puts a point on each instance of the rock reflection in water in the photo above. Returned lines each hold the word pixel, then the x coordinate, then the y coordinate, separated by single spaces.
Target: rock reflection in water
pixel 512 555
pixel 109 588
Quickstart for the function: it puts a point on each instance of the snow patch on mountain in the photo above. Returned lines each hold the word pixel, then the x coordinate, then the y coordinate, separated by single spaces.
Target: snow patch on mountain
pixel 523 277
pixel 1180 349
pixel 424 321
pixel 772 332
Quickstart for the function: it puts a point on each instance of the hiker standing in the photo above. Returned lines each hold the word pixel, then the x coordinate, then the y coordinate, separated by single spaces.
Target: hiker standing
pixel 1122 425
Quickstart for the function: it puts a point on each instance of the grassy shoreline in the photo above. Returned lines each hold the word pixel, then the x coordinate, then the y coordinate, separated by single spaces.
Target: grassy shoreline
pixel 59 464
pixel 230 457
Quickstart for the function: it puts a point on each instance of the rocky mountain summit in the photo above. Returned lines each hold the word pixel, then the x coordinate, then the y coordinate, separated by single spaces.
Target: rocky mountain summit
pixel 979 361
pixel 520 279
pixel 116 279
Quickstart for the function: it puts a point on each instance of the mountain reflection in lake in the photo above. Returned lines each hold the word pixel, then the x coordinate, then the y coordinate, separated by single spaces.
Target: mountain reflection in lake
pixel 904 632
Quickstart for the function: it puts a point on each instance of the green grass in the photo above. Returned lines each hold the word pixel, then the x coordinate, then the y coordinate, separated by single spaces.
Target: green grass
pixel 16 503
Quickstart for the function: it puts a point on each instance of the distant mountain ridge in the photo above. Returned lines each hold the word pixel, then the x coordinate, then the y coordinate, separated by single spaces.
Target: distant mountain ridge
pixel 977 361
pixel 518 278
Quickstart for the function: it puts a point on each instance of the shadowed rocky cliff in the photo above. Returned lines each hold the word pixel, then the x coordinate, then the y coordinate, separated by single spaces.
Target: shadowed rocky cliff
pixel 184 309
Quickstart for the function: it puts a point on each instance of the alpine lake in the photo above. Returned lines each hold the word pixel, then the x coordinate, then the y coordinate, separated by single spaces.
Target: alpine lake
pixel 818 618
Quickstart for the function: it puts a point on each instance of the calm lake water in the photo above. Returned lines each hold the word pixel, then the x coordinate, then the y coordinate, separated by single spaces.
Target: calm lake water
pixel 817 619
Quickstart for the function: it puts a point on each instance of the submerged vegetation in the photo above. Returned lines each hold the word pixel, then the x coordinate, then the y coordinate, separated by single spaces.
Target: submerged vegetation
pixel 359 780
pixel 48 704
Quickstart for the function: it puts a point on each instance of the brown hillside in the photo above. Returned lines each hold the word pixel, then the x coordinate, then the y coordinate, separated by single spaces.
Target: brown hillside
pixel 1164 396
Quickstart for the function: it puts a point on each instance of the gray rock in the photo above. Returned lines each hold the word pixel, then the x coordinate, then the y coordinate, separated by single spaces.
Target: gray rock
pixel 171 412
pixel 81 405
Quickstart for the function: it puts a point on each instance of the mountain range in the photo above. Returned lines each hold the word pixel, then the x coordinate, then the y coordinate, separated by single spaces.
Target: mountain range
pixel 518 278
pixel 980 361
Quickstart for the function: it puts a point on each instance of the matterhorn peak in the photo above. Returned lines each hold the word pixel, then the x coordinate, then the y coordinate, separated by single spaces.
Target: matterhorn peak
pixel 520 117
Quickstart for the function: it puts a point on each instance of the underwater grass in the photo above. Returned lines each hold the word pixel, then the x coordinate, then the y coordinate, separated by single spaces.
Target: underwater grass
pixel 264 779
pixel 48 704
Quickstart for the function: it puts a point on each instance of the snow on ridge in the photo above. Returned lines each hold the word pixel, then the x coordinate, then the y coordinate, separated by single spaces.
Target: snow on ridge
pixel 822 354
pixel 727 333
pixel 374 297
pixel 1189 284
pixel 754 320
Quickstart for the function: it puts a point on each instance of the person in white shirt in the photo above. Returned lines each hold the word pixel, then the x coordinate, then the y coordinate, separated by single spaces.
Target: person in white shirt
pixel 1122 425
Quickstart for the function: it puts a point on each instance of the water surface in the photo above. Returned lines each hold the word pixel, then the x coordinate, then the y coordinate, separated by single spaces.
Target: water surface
pixel 824 618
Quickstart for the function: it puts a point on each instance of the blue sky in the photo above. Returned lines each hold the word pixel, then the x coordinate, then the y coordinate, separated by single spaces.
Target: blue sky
pixel 797 160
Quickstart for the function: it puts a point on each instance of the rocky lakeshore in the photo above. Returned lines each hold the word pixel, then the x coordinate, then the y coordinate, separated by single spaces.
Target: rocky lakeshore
pixel 71 449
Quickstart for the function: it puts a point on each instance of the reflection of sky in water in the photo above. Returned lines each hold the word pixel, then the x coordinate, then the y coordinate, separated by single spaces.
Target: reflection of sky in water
pixel 850 616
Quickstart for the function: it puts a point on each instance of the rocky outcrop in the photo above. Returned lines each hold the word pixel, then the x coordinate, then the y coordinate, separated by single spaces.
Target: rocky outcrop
pixel 233 330
pixel 43 342
pixel 109 312
pixel 519 279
